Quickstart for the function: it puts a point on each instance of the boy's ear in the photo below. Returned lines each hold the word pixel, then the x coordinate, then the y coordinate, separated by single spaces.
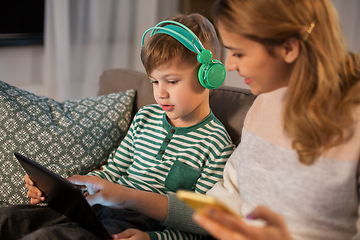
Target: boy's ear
pixel 291 49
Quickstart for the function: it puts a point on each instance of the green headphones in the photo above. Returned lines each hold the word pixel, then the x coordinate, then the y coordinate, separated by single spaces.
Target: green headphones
pixel 212 72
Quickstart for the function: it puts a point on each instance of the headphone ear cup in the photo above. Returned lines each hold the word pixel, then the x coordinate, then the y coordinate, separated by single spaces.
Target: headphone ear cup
pixel 212 75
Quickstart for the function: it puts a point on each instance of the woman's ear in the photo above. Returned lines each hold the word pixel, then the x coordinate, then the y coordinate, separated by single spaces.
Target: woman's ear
pixel 291 49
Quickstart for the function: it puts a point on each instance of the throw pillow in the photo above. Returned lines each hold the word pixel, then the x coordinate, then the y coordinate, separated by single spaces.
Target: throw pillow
pixel 70 137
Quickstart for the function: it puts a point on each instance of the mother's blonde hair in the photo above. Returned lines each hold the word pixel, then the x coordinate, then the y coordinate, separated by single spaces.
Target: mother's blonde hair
pixel 324 85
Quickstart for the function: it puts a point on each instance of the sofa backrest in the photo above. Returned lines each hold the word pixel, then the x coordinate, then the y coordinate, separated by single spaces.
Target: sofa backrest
pixel 229 104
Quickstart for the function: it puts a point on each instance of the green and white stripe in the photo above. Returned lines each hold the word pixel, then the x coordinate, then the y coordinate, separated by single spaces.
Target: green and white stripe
pixel 139 162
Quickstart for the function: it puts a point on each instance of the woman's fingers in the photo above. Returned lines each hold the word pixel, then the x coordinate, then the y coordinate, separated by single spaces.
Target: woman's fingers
pixel 266 214
pixel 228 226
pixel 275 227
pixel 230 220
pixel 217 229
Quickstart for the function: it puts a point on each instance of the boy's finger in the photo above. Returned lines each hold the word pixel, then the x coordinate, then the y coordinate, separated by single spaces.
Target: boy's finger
pixel 91 184
pixel 35 195
pixel 79 180
pixel 31 194
pixel 92 199
pixel 34 198
pixel 125 234
pixel 35 201
pixel 28 180
pixel 33 189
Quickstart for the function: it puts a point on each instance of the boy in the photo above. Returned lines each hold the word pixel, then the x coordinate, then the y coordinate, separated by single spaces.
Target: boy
pixel 176 144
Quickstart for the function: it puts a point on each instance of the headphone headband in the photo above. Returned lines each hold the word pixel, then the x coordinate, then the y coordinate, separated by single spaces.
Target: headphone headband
pixel 211 73
pixel 178 31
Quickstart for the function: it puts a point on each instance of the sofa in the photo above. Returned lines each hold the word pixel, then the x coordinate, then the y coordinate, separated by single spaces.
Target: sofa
pixel 76 136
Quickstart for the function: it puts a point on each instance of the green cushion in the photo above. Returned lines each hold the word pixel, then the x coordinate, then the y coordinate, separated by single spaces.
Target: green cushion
pixel 70 137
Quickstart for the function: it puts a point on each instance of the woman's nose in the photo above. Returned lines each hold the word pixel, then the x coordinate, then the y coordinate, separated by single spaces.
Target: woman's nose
pixel 230 64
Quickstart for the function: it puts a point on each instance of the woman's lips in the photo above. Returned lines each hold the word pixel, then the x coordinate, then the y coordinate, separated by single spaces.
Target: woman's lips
pixel 248 81
pixel 167 108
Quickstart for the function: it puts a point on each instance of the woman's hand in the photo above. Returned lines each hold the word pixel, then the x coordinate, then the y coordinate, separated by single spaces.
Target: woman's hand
pixel 34 193
pixel 132 234
pixel 225 226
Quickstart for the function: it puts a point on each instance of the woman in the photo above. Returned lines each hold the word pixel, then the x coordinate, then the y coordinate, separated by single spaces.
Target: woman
pixel 301 140
pixel 296 168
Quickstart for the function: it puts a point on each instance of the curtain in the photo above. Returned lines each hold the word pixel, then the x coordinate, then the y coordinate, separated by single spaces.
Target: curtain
pixel 349 14
pixel 85 37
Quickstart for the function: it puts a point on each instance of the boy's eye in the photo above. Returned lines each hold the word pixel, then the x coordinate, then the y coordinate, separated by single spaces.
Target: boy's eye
pixel 173 81
pixel 153 81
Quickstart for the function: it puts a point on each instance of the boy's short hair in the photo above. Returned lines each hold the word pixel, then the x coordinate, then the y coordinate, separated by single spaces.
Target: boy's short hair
pixel 160 49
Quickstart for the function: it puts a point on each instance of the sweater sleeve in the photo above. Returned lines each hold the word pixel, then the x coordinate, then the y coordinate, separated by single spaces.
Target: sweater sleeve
pixel 180 216
pixel 186 229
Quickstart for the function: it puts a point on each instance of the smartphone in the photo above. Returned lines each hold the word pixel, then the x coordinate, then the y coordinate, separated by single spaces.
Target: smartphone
pixel 200 201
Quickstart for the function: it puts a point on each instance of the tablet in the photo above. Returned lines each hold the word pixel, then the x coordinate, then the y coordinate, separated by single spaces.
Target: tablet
pixel 63 196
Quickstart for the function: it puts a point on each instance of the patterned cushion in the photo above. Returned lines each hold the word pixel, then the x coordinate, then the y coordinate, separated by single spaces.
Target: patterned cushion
pixel 71 137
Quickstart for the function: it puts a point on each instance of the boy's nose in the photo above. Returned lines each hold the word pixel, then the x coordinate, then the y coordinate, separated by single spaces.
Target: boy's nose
pixel 162 92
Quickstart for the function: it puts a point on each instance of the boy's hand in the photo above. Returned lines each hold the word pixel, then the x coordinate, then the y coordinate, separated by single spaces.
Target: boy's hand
pixel 102 191
pixel 34 193
pixel 106 193
pixel 132 234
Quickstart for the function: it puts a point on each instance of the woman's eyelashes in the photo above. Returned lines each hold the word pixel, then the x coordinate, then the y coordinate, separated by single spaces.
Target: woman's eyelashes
pixel 238 55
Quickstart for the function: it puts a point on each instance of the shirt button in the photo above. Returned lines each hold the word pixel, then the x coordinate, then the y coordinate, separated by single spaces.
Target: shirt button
pixel 167 140
pixel 161 151
pixel 172 130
